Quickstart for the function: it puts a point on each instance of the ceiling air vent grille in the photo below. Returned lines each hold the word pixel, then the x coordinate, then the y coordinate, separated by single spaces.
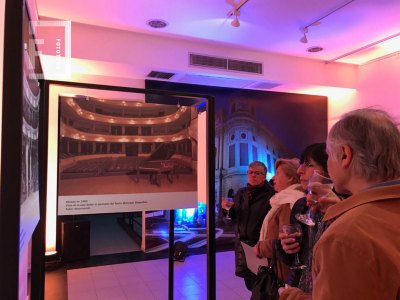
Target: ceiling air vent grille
pixel 160 75
pixel 225 63
pixel 264 85
pixel 244 66
pixel 208 61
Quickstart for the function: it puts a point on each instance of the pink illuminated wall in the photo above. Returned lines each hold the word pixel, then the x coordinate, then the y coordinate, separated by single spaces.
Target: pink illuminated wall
pixel 379 84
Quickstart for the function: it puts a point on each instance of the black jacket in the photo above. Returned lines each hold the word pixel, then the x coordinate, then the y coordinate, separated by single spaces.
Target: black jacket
pixel 248 214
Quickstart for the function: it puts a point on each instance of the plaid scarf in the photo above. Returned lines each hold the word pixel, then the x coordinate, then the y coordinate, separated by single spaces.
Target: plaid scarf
pixel 252 188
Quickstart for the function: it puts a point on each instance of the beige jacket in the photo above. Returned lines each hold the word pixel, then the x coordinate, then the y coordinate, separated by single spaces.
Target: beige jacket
pixel 358 256
pixel 280 217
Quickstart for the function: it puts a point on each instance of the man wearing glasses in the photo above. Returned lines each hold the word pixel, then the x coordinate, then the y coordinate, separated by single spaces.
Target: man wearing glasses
pixel 248 210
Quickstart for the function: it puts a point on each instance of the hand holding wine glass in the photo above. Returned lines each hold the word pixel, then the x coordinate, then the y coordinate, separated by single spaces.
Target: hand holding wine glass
pixel 289 244
pixel 319 185
pixel 226 203
pixel 324 202
pixel 294 231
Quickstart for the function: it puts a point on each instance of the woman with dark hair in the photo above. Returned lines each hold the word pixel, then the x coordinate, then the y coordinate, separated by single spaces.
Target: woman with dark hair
pixel 313 158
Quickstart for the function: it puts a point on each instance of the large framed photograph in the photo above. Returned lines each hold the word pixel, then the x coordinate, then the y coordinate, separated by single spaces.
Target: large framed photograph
pixel 120 154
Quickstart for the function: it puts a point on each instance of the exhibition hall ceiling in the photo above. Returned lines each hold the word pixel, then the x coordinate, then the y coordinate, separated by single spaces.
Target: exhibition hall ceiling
pixel 265 25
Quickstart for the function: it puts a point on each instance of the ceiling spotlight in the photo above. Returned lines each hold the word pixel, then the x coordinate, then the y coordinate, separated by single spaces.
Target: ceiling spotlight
pixel 235 23
pixel 304 38
pixel 235 10
pixel 304 29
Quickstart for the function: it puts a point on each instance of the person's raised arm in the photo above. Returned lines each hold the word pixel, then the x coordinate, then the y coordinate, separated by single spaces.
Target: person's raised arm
pixel 324 202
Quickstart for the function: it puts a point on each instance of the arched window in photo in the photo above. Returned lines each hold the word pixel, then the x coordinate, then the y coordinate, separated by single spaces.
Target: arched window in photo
pixel 269 162
pixel 232 156
pixel 244 154
pixel 255 153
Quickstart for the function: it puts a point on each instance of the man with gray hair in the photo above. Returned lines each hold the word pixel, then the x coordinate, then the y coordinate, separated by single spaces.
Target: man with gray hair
pixel 358 257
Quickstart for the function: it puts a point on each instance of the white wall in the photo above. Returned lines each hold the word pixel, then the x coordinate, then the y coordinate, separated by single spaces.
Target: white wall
pixel 109 52
pixel 379 84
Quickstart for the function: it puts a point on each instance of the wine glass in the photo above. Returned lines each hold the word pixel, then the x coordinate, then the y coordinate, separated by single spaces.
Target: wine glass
pixel 294 231
pixel 319 185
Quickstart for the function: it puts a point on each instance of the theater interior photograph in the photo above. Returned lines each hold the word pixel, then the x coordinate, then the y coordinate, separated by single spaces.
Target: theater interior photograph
pixel 155 150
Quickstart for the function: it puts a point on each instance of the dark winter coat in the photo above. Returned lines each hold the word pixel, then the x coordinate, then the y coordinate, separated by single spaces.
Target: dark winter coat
pixel 248 214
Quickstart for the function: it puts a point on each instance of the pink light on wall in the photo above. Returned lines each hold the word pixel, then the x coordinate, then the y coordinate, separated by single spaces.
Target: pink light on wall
pixel 390 44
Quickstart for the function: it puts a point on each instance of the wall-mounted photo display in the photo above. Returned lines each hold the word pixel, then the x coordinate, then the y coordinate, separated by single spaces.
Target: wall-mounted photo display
pixel 29 200
pixel 124 155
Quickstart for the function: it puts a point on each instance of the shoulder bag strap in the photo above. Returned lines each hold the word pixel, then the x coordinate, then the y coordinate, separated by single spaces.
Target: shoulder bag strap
pixel 276 263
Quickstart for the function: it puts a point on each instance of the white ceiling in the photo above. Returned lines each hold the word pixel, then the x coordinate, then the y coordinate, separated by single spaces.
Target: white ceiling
pixel 266 25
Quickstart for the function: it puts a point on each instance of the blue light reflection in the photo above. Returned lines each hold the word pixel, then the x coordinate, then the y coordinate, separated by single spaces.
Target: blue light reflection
pixel 191 217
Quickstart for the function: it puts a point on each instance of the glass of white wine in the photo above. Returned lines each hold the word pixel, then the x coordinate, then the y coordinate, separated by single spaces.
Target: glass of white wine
pixel 319 185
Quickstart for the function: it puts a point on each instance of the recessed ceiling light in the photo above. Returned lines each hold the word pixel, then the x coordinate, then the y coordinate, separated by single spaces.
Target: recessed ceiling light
pixel 315 49
pixel 157 23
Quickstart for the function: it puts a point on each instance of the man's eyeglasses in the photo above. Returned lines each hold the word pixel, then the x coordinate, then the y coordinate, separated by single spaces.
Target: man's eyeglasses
pixel 254 172
pixel 307 165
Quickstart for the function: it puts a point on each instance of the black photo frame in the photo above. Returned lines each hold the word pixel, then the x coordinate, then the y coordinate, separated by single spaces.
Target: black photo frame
pixel 209 108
